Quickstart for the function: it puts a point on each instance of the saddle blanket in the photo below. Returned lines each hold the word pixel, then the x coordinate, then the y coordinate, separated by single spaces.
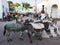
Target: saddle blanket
pixel 12 26
pixel 37 25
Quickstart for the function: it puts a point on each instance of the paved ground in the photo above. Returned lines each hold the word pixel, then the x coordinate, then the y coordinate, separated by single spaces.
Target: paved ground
pixel 16 41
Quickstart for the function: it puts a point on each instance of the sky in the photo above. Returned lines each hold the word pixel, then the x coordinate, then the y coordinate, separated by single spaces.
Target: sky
pixel 31 2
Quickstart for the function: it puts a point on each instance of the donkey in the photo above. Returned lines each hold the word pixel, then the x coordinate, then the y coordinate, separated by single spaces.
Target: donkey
pixel 17 28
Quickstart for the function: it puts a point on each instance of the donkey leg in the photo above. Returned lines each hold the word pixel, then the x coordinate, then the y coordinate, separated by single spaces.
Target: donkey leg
pixel 56 31
pixel 40 36
pixel 49 33
pixel 8 36
pixel 21 35
pixel 30 37
pixel 4 30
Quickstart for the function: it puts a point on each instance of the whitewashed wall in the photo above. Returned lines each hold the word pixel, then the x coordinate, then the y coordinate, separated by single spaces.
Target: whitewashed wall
pixel 49 5
pixel 6 8
pixel 0 9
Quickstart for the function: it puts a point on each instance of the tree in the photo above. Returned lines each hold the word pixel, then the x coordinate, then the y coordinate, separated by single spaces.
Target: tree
pixel 10 3
pixel 26 5
pixel 16 4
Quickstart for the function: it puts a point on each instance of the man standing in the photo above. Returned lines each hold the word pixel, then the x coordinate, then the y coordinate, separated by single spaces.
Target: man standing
pixel 16 17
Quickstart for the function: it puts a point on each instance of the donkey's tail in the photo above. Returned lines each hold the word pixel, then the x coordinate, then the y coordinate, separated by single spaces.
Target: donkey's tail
pixel 4 30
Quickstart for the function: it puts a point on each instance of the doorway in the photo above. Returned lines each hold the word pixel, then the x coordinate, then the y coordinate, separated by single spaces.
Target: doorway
pixel 54 11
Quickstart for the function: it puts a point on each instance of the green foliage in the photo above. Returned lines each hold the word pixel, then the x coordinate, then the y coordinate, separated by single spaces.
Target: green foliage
pixel 12 9
pixel 26 5
pixel 16 4
pixel 10 3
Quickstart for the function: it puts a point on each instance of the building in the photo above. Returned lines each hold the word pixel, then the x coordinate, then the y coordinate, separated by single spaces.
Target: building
pixel 52 7
pixel 3 8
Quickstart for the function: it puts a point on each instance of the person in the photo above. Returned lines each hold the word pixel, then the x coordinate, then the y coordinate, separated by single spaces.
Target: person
pixel 42 15
pixel 53 25
pixel 9 17
pixel 21 20
pixel 16 17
